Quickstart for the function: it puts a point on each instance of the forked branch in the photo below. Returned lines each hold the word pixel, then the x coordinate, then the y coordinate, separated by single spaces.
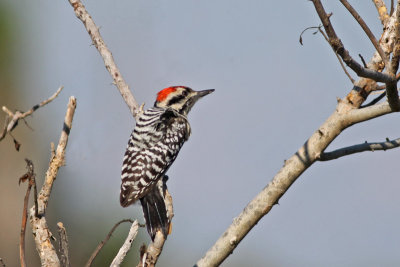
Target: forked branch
pixel 13 118
pixel 346 114
pixel 40 229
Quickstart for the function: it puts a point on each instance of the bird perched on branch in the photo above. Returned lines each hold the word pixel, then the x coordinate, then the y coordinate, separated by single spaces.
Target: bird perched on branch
pixel 153 146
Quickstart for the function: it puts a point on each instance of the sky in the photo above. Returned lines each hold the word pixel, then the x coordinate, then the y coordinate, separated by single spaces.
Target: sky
pixel 271 94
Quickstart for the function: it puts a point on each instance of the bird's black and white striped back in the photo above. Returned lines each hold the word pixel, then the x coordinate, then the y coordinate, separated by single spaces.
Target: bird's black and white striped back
pixel 153 146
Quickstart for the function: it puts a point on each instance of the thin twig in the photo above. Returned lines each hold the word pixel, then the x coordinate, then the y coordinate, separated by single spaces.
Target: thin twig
pixel 375 100
pixel 337 56
pixel 40 229
pixel 366 29
pixel 126 246
pixel 82 14
pixel 103 242
pixel 30 177
pixel 13 118
pixel 63 245
pixel 338 46
pixel 326 38
pixel 388 144
pixel 306 29
pixel 363 61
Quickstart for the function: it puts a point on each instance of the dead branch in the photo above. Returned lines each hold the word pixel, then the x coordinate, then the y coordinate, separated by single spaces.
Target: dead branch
pixel 389 144
pixel 343 117
pixel 336 43
pixel 338 46
pixel 366 29
pixel 30 177
pixel 13 118
pixel 82 14
pixel 126 246
pixel 346 114
pixel 103 242
pixel 40 230
pixel 63 245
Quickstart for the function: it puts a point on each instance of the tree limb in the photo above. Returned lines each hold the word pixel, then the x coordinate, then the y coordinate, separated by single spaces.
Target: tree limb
pixel 126 246
pixel 13 118
pixel 389 144
pixel 82 14
pixel 40 230
pixel 344 116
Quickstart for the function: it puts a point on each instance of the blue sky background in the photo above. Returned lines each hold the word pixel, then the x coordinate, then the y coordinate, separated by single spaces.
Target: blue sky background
pixel 271 95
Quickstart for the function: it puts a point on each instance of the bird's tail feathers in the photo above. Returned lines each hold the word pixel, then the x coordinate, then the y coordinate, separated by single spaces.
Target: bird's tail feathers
pixel 155 211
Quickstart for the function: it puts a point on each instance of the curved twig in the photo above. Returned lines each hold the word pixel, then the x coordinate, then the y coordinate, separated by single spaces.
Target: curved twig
pixel 104 241
pixel 389 144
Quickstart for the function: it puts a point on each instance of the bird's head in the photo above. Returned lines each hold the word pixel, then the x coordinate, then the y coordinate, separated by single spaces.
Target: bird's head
pixel 179 98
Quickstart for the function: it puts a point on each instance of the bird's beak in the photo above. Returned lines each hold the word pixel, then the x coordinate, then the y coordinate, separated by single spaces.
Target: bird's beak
pixel 204 92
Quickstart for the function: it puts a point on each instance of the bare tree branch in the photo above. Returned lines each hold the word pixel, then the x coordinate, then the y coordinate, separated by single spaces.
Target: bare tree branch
pixel 388 78
pixel 337 46
pixel 337 56
pixel 389 144
pixel 92 29
pixel 30 176
pixel 326 38
pixel 382 11
pixel 40 229
pixel 343 117
pixel 13 118
pixel 63 245
pixel 366 29
pixel 126 246
pixel 103 242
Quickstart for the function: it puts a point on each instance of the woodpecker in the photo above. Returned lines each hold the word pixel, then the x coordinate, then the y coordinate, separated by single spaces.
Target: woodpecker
pixel 153 146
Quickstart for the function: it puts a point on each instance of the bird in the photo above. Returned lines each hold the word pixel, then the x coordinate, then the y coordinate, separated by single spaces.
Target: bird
pixel 154 144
